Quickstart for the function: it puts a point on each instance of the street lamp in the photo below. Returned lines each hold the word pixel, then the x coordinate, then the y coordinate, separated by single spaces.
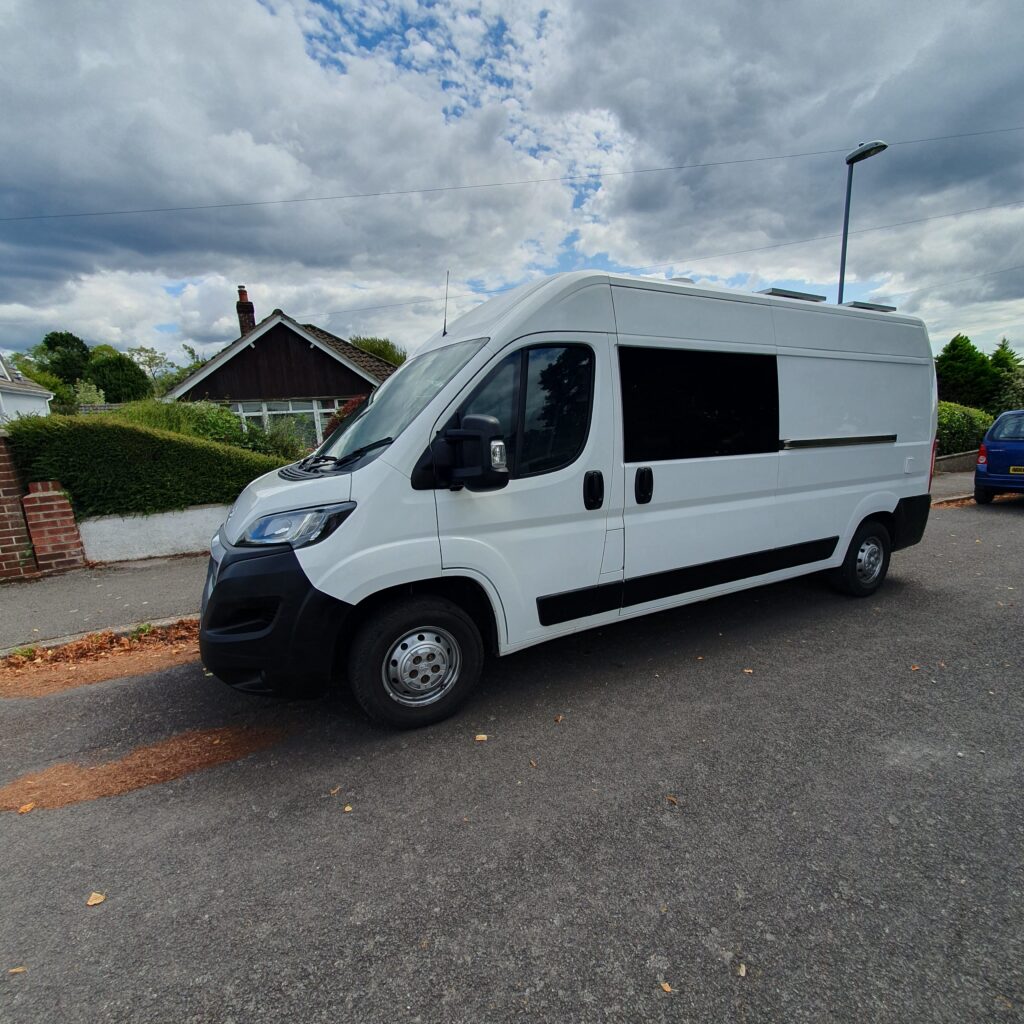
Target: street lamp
pixel 862 152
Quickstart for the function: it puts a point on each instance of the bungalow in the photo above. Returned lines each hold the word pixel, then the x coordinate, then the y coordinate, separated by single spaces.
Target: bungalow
pixel 20 396
pixel 280 368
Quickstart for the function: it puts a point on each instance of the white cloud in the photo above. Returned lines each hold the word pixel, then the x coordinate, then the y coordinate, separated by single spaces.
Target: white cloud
pixel 193 104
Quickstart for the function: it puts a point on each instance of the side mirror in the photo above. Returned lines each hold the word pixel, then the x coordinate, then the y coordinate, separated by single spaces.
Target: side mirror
pixel 480 460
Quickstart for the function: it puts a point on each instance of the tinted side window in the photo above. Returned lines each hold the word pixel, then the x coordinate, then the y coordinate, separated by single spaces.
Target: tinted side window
pixel 556 413
pixel 542 398
pixel 681 404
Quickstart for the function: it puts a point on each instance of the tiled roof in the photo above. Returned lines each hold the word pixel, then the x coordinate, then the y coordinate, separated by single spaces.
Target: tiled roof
pixel 379 369
pixel 10 381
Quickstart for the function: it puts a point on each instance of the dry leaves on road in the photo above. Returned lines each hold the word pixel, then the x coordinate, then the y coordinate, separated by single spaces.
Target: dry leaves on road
pixel 481 737
pixel 559 719
pixel 17 970
pixel 97 658
pixel 71 783
pixel 674 801
pixel 95 899
pixel 666 987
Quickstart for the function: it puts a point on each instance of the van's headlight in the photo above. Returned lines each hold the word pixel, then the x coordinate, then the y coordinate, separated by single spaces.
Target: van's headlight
pixel 298 527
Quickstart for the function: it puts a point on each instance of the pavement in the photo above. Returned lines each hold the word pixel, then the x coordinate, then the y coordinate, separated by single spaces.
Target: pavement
pixel 845 841
pixel 103 597
pixel 125 594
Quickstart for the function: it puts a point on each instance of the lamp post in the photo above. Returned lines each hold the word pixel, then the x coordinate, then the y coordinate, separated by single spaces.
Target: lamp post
pixel 862 152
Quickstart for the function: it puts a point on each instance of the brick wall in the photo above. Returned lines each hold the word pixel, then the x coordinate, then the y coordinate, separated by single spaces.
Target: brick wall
pixel 52 526
pixel 16 558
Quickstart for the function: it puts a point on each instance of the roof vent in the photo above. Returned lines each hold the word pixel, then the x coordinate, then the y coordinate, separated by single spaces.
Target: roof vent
pixel 876 306
pixel 683 280
pixel 785 293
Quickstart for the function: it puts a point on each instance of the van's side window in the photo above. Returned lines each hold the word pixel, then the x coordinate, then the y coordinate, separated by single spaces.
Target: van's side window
pixel 542 398
pixel 682 404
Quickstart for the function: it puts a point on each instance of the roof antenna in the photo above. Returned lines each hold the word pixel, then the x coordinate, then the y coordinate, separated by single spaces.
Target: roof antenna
pixel 444 329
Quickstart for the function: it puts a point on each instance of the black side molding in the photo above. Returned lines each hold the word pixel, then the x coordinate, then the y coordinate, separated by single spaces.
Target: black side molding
pixel 577 604
pixel 836 442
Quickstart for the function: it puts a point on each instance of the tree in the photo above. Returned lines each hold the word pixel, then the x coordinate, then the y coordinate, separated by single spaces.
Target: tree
pixel 383 348
pixel 118 377
pixel 1005 358
pixel 965 374
pixel 89 394
pixel 154 363
pixel 175 374
pixel 63 354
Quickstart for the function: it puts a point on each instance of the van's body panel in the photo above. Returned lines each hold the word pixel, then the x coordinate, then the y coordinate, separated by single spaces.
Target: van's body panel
pixel 856 407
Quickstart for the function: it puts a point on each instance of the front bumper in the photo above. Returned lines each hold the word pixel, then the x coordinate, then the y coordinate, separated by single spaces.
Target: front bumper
pixel 265 628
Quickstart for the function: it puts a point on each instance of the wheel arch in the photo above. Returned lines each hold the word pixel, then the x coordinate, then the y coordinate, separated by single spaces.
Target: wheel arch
pixel 468 593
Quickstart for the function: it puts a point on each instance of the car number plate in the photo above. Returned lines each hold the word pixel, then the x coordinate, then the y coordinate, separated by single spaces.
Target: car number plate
pixel 1017 469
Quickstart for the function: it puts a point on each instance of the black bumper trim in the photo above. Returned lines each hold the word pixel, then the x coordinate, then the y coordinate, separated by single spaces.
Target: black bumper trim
pixel 911 517
pixel 265 627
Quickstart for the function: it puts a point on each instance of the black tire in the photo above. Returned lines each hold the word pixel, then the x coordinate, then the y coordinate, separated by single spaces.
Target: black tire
pixel 983 496
pixel 867 561
pixel 389 684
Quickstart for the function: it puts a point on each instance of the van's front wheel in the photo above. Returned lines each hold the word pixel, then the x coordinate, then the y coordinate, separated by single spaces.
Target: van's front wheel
pixel 867 561
pixel 415 661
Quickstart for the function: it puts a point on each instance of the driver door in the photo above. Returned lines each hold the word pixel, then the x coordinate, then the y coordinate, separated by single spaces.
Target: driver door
pixel 543 535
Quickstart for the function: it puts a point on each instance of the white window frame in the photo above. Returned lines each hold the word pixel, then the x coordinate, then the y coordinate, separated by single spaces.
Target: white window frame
pixel 323 409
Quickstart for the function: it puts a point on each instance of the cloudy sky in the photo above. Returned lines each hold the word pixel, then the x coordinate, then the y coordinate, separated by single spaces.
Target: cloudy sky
pixel 699 140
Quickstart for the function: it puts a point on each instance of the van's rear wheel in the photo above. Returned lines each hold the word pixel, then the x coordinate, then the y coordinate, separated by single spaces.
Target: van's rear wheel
pixel 415 662
pixel 867 561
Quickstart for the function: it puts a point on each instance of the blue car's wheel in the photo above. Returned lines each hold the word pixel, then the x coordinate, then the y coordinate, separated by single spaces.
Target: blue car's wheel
pixel 983 496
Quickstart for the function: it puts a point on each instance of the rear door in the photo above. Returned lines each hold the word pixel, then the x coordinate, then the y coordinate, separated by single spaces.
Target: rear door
pixel 1005 446
pixel 544 534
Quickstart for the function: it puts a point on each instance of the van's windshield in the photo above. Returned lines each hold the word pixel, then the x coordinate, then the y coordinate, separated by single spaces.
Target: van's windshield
pixel 397 402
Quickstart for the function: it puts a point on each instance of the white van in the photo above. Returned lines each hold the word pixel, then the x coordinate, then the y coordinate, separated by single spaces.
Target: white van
pixel 584 449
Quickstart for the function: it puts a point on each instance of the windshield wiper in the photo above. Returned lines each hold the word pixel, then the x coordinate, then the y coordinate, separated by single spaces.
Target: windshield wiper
pixel 358 453
pixel 314 460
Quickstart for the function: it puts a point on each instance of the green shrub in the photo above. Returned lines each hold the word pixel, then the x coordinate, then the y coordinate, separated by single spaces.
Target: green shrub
pixel 214 423
pixel 110 467
pixel 961 428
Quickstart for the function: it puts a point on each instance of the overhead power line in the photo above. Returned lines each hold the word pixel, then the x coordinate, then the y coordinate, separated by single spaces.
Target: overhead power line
pixel 388 193
pixel 683 260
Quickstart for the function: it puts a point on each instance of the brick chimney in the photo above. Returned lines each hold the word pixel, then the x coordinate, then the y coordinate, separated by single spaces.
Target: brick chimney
pixel 246 311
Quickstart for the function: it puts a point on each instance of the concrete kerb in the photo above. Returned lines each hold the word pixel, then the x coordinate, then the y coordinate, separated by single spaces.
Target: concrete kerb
pixel 116 630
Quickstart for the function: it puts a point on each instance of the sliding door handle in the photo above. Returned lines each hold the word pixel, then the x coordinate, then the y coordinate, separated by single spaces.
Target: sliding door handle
pixel 644 485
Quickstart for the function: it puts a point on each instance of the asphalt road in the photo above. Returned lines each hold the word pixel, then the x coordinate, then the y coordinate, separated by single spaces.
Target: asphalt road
pixel 847 843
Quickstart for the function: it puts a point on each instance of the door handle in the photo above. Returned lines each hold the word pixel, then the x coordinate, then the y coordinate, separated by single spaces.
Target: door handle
pixel 593 489
pixel 644 485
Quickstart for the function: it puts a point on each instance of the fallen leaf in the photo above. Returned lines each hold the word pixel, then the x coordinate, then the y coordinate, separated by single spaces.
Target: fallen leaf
pixel 17 970
pixel 915 668
pixel 95 898
pixel 748 671
pixel 533 764
pixel 672 800
pixel 666 987
pixel 559 719
pixel 742 970
pixel 481 737
pixel 25 808
pixel 348 808
pixel 700 657
pixel 336 791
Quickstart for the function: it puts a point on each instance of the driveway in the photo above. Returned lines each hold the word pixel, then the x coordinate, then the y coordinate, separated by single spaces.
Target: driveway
pixel 649 833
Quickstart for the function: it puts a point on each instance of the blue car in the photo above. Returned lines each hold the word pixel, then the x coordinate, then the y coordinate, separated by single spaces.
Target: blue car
pixel 1000 465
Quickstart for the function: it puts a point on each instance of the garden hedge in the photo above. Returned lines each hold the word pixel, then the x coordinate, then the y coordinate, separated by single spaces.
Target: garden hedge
pixel 961 428
pixel 109 467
